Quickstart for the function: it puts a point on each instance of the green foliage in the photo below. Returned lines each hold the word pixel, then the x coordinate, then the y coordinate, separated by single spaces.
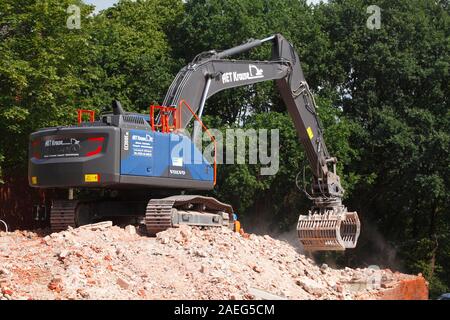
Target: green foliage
pixel 425 249
pixel 131 59
pixel 47 71
pixel 238 21
pixel 38 72
pixel 394 82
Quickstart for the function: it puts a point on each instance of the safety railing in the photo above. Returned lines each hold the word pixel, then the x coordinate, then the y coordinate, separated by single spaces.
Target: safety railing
pixel 161 117
pixel 81 112
pixel 212 138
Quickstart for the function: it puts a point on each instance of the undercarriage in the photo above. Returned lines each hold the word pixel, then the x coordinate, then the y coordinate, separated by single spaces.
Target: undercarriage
pixel 155 214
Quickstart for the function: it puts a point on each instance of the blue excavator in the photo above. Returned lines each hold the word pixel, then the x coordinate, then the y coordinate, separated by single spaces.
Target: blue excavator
pixel 140 166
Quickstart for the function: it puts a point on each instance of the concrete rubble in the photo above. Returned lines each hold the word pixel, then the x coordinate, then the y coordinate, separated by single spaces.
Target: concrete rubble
pixel 108 262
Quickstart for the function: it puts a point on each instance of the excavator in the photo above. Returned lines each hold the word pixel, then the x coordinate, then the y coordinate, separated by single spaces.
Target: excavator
pixel 140 166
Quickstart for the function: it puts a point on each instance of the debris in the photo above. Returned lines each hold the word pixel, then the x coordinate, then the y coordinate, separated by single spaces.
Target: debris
pixel 388 285
pixel 55 284
pixel 7 291
pixel 83 293
pixel 264 295
pixel 4 272
pixel 310 286
pixel 199 253
pixel 63 254
pixel 257 269
pixel 141 292
pixel 97 226
pixel 162 238
pixel 339 288
pixel 122 283
pixel 214 263
pixel 130 229
pixel 236 296
pixel 185 231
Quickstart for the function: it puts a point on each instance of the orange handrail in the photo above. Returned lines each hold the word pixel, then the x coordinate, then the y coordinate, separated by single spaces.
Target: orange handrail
pixel 213 139
pixel 80 113
pixel 164 118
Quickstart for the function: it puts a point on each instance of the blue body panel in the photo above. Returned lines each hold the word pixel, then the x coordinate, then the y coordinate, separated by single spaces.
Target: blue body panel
pixel 156 154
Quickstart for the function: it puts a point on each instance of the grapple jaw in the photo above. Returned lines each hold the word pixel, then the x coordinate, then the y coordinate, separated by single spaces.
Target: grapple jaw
pixel 328 227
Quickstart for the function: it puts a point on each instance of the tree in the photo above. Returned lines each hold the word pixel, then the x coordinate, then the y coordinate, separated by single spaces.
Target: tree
pixel 216 24
pixel 131 59
pixel 394 82
pixel 47 71
pixel 39 72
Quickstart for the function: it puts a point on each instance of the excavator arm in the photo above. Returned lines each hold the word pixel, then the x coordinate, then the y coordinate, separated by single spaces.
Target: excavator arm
pixel 328 226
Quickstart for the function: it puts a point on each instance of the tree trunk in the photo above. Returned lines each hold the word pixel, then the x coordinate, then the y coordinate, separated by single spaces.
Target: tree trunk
pixel 432 235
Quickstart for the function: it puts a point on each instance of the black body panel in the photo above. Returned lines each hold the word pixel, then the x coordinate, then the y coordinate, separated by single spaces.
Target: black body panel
pixel 61 170
pixel 64 157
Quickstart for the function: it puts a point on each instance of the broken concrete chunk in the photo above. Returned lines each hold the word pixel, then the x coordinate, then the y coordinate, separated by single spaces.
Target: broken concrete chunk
pixel 130 229
pixel 310 286
pixel 97 226
pixel 63 254
pixel 123 283
pixel 255 293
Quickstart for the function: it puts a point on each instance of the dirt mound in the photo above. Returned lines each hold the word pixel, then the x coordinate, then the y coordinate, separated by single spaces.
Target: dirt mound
pixel 108 262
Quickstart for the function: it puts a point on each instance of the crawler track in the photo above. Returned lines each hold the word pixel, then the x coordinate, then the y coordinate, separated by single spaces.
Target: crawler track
pixel 62 214
pixel 161 213
pixel 158 215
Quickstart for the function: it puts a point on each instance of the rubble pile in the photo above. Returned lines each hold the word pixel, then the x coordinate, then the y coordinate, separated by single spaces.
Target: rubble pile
pixel 108 262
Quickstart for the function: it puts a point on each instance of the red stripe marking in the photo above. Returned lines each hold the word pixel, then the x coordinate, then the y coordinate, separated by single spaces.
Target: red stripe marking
pixel 96 151
pixel 97 139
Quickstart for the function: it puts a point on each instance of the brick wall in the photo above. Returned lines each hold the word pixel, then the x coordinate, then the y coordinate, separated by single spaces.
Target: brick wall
pixel 16 203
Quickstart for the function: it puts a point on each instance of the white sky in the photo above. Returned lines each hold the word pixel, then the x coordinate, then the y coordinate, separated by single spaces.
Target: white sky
pixel 103 4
